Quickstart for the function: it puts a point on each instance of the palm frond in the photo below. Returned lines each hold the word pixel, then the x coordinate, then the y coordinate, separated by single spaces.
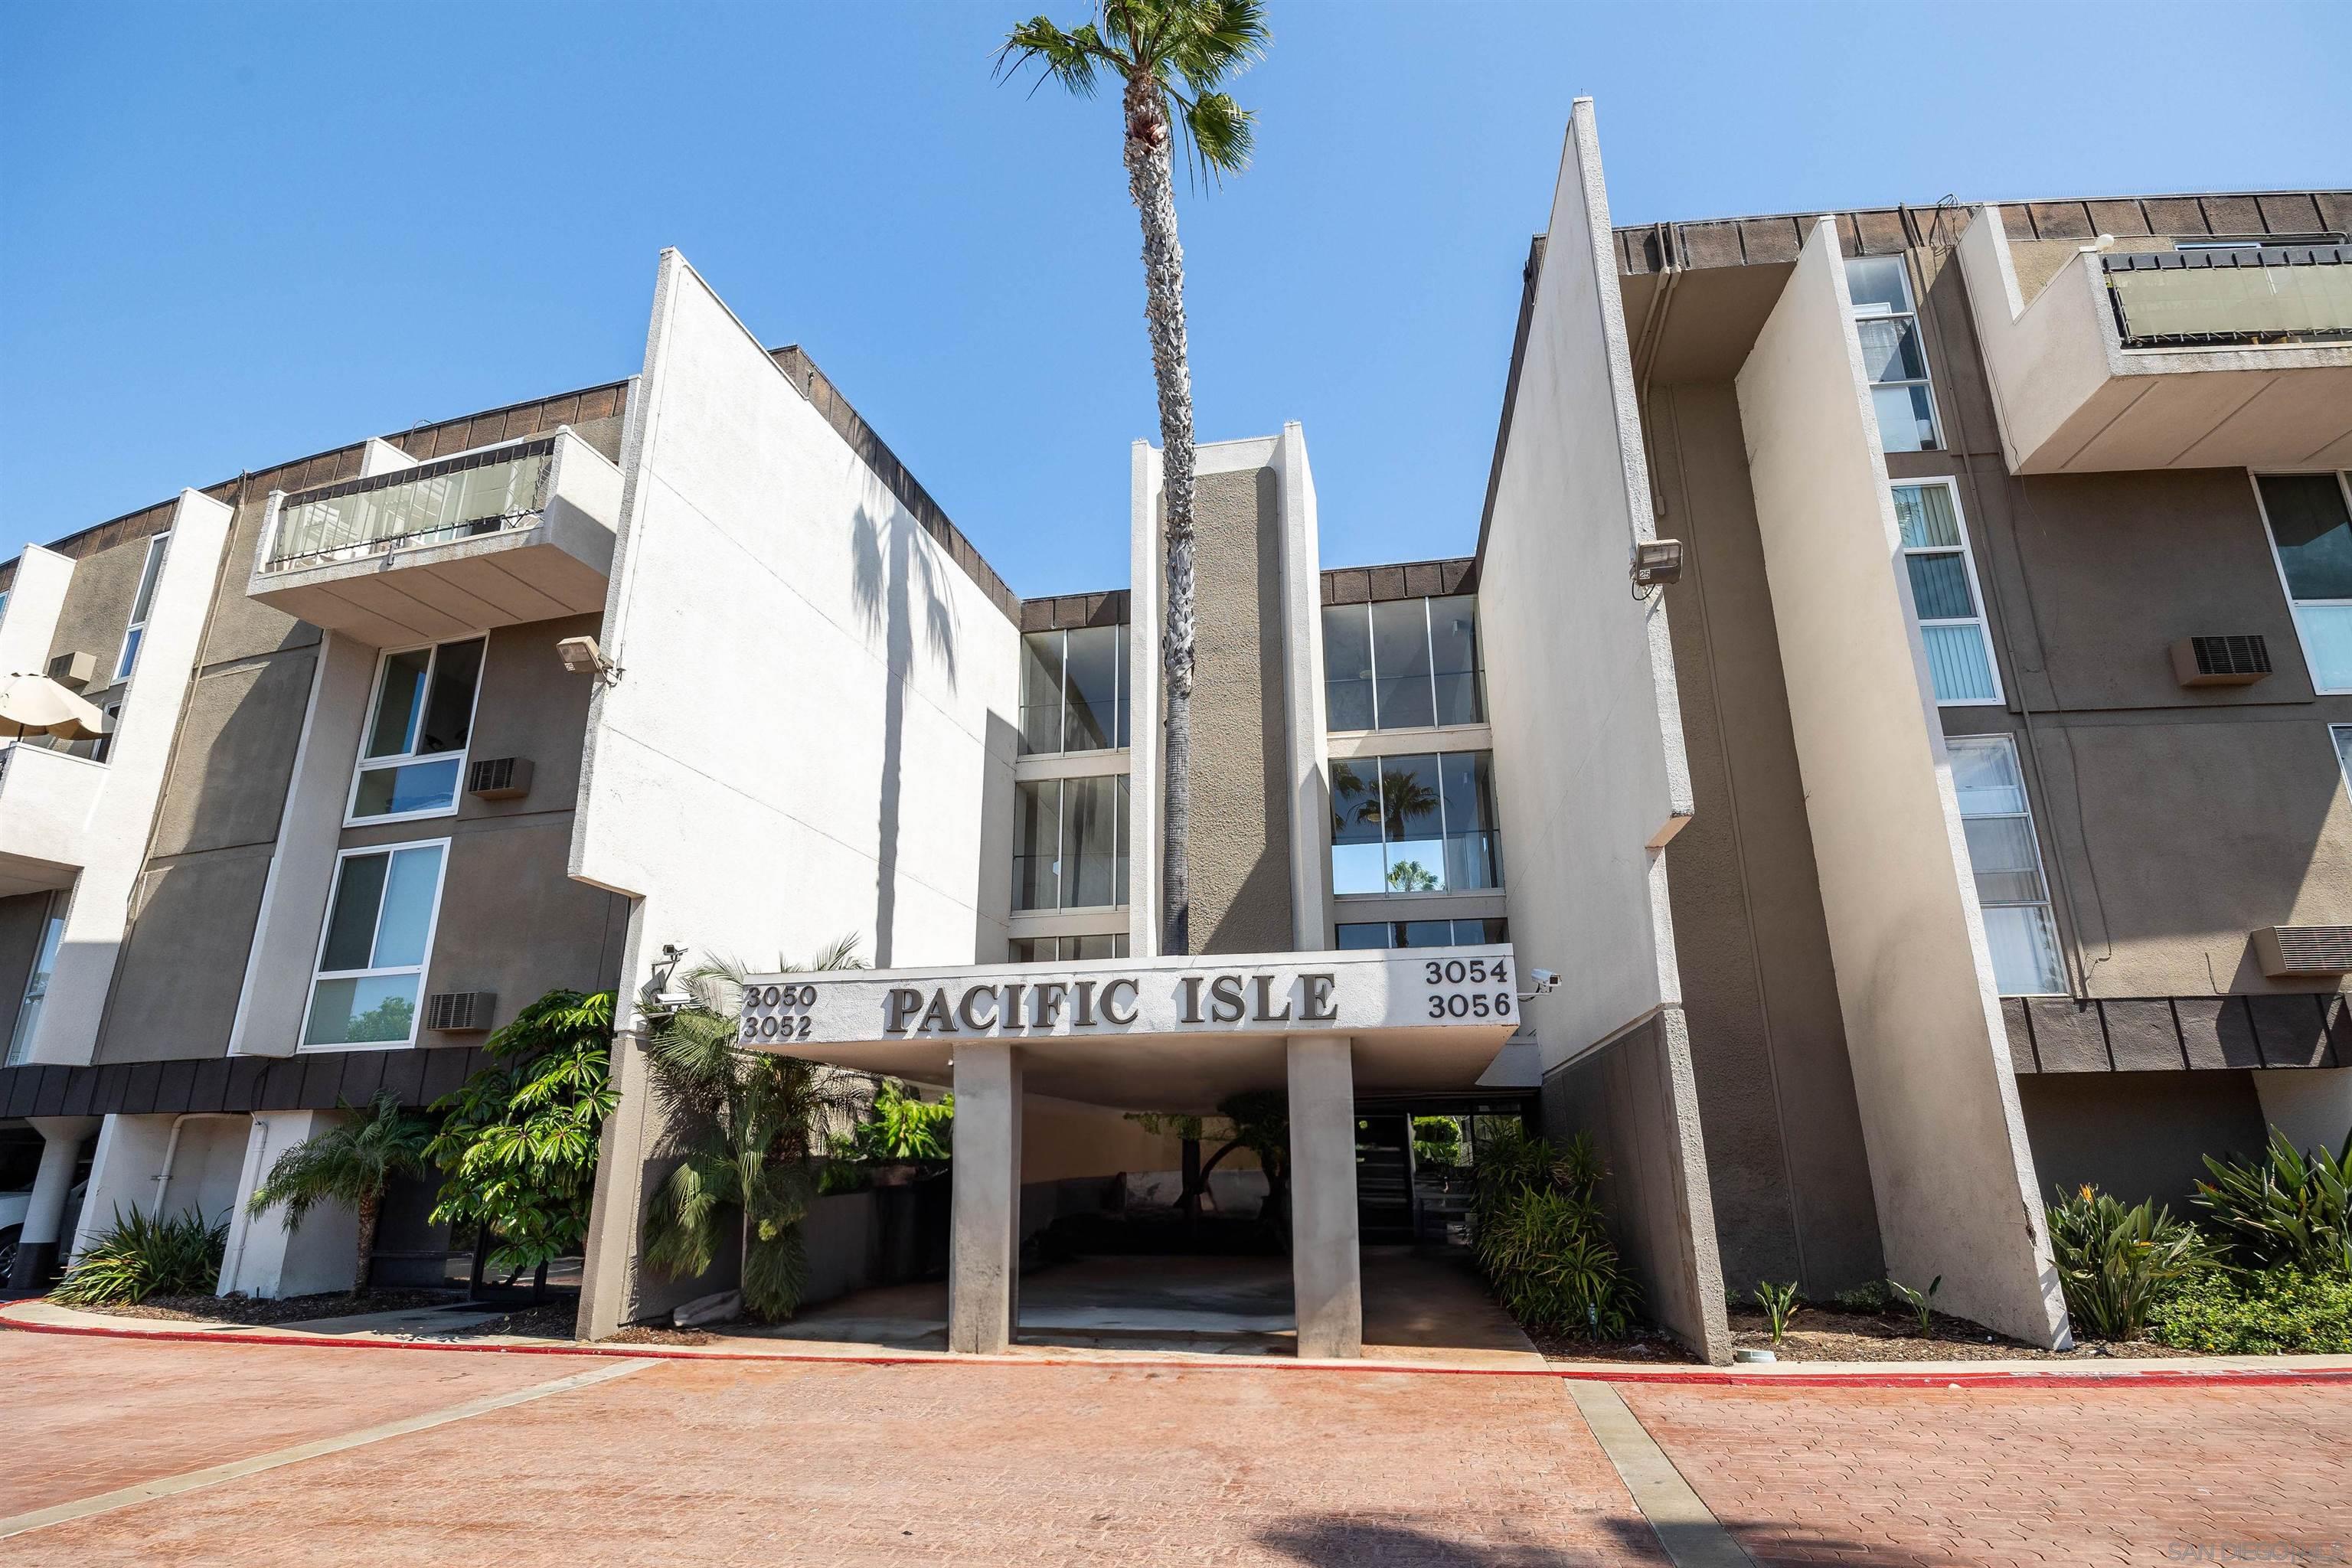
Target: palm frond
pixel 1209 42
pixel 1219 133
pixel 1073 58
pixel 346 1163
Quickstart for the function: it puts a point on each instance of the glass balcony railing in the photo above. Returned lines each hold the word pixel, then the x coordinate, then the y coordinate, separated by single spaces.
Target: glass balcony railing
pixel 434 503
pixel 2237 296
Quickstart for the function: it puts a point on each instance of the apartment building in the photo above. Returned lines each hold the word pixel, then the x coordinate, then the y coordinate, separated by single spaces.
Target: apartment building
pixel 1883 759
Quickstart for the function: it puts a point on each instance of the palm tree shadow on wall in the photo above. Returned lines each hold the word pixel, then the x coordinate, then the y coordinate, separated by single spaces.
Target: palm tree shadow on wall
pixel 889 563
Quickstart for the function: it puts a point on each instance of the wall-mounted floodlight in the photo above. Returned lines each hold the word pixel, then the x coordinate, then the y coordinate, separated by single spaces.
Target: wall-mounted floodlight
pixel 581 656
pixel 1656 563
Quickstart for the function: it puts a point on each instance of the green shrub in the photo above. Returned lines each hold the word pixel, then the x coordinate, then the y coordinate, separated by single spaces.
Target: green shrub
pixel 2117 1263
pixel 2282 1209
pixel 140 1257
pixel 1921 1304
pixel 2277 1311
pixel 1870 1297
pixel 1540 1241
pixel 1436 1140
pixel 899 1127
pixel 1780 1304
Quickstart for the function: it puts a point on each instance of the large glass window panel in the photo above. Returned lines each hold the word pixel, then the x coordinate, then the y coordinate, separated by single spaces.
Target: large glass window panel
pixel 1879 284
pixel 2309 521
pixel 2025 957
pixel 1412 824
pixel 1906 419
pixel 1985 776
pixel 407 918
pixel 351 923
pixel 1471 861
pixel 1103 944
pixel 1890 350
pixel 363 1010
pixel 1958 663
pixel 1926 516
pixel 1454 655
pixel 1348 666
pixel 1425 933
pixel 1126 681
pixel 1041 692
pixel 1036 846
pixel 1091 842
pixel 36 982
pixel 143 602
pixel 406 787
pixel 1360 935
pixel 1090 676
pixel 400 701
pixel 2006 864
pixel 1940 586
pixel 449 712
pixel 1357 865
pixel 1401 665
pixel 2327 639
pixel 1481 933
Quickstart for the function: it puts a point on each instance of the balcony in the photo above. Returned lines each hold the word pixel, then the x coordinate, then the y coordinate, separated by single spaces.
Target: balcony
pixel 499 537
pixel 47 800
pixel 2237 357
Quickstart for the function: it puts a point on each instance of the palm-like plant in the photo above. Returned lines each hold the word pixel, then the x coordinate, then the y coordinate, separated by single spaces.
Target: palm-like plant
pixel 1171 58
pixel 351 1163
pixel 745 1127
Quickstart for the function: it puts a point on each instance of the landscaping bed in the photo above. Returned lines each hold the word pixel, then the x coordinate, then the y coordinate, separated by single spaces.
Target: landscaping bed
pixel 250 1311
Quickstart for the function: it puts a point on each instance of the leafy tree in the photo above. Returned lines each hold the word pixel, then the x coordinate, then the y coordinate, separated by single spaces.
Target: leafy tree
pixel 518 1142
pixel 898 1126
pixel 1256 1120
pixel 1171 58
pixel 351 1163
pixel 744 1126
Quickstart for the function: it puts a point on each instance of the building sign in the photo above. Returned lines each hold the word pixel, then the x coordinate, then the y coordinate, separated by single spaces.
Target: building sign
pixel 1265 996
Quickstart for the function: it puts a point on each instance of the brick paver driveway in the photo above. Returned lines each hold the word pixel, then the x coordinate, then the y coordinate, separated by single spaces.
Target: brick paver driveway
pixel 708 1463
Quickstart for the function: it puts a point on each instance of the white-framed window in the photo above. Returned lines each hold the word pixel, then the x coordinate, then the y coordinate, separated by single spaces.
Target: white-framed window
pixel 2309 517
pixel 1069 843
pixel 1422 824
pixel 1402 664
pixel 2342 735
pixel 1074 695
pixel 2006 859
pixel 413 755
pixel 1945 593
pixel 37 983
pixel 372 951
pixel 158 549
pixel 1888 321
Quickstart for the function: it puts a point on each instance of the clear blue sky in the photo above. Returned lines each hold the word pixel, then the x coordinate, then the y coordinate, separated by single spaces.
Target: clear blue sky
pixel 235 234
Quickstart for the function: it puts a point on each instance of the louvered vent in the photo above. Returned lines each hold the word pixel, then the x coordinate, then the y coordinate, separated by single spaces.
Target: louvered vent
pixel 73 669
pixel 2305 950
pixel 498 778
pixel 2222 661
pixel 460 1012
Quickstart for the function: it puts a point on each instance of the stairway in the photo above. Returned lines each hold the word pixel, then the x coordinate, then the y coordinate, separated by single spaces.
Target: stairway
pixel 1383 1180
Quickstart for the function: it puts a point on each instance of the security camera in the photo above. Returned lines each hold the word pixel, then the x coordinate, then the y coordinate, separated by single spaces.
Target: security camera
pixel 1545 980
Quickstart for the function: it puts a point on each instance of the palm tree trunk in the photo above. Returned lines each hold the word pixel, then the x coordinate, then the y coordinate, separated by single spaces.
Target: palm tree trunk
pixel 1150 181
pixel 369 1208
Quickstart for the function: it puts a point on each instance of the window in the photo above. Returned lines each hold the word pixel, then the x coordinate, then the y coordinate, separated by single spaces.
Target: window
pixel 371 955
pixel 1069 843
pixel 2007 861
pixel 2311 529
pixel 1067 949
pixel 142 603
pixel 1944 592
pixel 1414 825
pixel 1402 664
pixel 36 984
pixel 1423 933
pixel 1074 689
pixel 415 750
pixel 1888 326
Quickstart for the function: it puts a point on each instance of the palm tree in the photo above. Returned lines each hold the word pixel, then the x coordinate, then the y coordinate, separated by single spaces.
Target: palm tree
pixel 1170 56
pixel 746 1126
pixel 352 1164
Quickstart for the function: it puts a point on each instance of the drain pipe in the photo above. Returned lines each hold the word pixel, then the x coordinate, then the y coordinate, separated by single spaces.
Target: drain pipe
pixel 171 1152
pixel 256 1144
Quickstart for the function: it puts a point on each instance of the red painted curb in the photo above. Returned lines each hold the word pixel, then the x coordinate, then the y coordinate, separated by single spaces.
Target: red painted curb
pixel 1711 1377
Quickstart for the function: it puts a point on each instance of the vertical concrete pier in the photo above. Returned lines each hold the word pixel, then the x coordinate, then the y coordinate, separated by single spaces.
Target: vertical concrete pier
pixel 1326 1269
pixel 984 1256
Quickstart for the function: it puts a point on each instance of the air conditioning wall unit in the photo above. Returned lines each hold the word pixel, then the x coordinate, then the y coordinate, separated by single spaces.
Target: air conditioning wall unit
pixel 74 670
pixel 460 1012
pixel 498 778
pixel 2222 661
pixel 2287 952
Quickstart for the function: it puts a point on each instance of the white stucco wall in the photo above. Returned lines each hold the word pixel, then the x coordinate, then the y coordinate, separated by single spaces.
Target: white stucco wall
pixel 114 845
pixel 29 622
pixel 1590 772
pixel 1950 1164
pixel 759 555
pixel 267 1259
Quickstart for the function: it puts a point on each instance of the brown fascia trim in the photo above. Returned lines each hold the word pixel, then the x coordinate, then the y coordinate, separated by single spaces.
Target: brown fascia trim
pixel 1107 608
pixel 1878 231
pixel 1529 276
pixel 1405 580
pixel 424 442
pixel 876 454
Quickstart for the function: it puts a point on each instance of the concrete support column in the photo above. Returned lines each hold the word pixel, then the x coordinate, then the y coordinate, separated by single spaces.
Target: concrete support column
pixel 1326 1273
pixel 985 1255
pixel 36 1238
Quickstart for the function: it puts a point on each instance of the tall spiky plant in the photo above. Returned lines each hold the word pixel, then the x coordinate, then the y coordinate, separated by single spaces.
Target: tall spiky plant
pixel 351 1163
pixel 745 1127
pixel 1171 58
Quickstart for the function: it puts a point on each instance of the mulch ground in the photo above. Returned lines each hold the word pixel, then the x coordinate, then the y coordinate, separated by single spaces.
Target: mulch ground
pixel 245 1310
pixel 1828 1333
